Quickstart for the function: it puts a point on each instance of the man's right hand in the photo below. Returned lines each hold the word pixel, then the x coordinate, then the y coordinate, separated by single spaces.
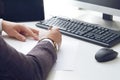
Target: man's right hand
pixel 55 35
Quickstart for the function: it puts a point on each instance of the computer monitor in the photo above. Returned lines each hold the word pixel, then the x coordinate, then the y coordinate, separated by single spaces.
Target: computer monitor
pixel 109 8
pixel 22 10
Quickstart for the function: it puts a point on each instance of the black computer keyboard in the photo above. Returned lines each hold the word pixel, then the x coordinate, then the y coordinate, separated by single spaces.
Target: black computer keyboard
pixel 84 31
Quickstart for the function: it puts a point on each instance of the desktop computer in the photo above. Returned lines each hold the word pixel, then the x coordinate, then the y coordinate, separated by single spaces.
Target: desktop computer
pixel 93 33
pixel 109 8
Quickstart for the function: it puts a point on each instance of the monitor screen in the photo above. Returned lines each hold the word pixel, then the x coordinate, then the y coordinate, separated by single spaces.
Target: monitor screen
pixel 106 3
pixel 22 10
pixel 110 7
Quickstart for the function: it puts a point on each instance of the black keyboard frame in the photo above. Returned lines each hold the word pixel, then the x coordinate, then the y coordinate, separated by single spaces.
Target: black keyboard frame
pixel 82 37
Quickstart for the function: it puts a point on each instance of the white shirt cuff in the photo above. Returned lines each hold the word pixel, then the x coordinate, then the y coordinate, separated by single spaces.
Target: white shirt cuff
pixel 1 25
pixel 48 40
pixel 52 42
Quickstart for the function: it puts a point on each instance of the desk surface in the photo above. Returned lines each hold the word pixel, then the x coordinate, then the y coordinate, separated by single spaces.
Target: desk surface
pixel 84 66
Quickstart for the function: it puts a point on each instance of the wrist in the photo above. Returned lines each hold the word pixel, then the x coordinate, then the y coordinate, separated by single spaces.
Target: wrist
pixel 55 45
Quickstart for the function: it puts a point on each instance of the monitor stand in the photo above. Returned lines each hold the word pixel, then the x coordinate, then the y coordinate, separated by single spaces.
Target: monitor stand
pixel 105 20
pixel 107 17
pixel 110 22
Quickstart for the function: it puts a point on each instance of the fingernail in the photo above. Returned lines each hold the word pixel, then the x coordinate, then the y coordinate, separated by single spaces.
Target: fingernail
pixel 23 39
pixel 36 38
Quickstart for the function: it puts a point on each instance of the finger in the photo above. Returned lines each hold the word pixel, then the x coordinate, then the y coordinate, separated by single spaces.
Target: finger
pixel 32 34
pixel 35 31
pixel 56 28
pixel 19 36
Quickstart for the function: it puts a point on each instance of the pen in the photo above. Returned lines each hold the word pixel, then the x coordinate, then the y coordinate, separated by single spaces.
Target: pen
pixel 50 27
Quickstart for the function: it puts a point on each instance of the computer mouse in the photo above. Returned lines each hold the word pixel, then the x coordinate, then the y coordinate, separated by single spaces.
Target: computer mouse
pixel 105 54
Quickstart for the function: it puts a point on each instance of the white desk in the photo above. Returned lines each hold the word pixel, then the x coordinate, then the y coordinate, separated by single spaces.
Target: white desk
pixel 85 67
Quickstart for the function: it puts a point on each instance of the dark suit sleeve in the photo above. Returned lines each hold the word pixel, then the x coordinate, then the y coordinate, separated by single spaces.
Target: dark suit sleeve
pixel 33 66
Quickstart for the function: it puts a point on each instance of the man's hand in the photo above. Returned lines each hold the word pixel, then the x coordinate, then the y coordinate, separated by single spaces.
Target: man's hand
pixel 19 31
pixel 55 35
